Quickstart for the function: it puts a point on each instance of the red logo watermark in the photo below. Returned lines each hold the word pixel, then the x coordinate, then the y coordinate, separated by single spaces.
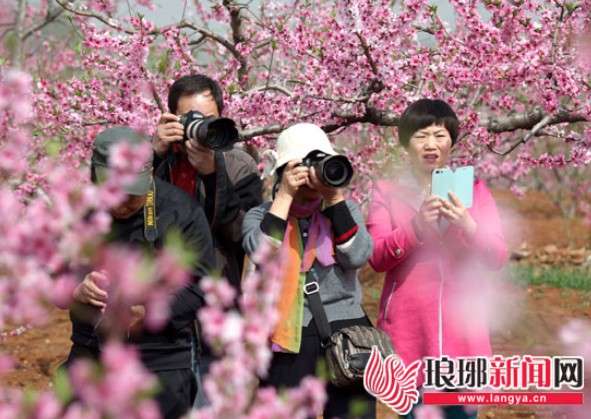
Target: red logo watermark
pixel 396 385
pixel 391 382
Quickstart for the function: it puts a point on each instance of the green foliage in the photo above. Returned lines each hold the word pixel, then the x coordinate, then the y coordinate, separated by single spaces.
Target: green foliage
pixel 63 388
pixel 357 408
pixel 571 6
pixel 159 61
pixel 53 146
pixel 10 41
pixel 176 245
pixel 322 369
pixel 560 277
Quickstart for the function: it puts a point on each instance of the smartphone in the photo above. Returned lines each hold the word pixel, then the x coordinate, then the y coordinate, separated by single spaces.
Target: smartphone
pixel 459 181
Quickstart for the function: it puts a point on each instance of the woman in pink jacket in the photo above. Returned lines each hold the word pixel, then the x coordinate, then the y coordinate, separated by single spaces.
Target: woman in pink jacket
pixel 432 249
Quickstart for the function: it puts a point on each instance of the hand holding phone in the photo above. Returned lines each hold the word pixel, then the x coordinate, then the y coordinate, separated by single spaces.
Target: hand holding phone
pixel 460 182
pixel 457 214
pixel 425 222
pixel 456 190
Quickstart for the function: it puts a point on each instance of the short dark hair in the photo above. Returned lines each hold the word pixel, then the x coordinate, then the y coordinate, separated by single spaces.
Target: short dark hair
pixel 424 113
pixel 192 85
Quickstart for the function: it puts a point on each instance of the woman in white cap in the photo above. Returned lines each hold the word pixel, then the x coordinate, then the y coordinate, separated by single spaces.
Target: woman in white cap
pixel 325 242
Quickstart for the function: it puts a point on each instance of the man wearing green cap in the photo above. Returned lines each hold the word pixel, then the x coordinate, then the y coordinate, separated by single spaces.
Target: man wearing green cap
pixel 151 210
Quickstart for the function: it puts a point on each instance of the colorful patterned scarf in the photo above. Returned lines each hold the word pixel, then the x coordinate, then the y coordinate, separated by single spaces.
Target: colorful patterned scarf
pixel 287 336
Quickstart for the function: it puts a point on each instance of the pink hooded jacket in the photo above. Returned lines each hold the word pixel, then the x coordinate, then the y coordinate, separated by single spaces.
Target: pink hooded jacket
pixel 423 303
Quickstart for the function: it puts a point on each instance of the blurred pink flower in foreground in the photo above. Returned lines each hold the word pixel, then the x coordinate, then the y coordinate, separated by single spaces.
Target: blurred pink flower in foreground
pixel 243 340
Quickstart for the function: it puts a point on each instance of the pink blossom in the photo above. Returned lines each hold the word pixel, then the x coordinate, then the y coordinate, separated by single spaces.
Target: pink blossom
pixel 116 391
pixel 217 293
pixel 63 291
pixel 6 364
pixel 518 57
pixel 428 412
pixel 146 3
pixel 128 158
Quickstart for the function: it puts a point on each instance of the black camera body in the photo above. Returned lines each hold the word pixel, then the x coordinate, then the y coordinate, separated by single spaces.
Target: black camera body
pixel 335 171
pixel 209 131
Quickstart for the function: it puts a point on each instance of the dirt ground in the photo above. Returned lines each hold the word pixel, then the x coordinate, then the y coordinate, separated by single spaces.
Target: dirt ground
pixel 38 351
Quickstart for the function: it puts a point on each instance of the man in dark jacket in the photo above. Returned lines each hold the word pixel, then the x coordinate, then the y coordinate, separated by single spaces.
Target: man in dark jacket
pixel 227 184
pixel 166 353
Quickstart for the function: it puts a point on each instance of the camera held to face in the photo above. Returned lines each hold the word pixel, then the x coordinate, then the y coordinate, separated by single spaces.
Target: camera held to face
pixel 209 131
pixel 335 171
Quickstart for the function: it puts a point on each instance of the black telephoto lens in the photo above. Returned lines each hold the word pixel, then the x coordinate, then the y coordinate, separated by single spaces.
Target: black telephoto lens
pixel 211 132
pixel 219 133
pixel 335 171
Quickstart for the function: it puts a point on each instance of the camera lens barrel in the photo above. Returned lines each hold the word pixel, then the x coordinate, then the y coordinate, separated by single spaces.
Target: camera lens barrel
pixel 335 171
pixel 211 132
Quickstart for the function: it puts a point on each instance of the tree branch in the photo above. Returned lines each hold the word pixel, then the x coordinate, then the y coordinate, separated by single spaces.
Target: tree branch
pixel 111 23
pixel 238 38
pixel 205 33
pixel 536 121
pixel 17 52
pixel 367 52
pixel 274 87
pixel 266 130
pixel 371 115
pixel 90 123
pixel 49 18
pixel 528 120
pixel 156 97
pixel 213 36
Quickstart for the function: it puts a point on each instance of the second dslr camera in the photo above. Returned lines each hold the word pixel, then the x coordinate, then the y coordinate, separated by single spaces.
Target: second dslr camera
pixel 335 171
pixel 209 131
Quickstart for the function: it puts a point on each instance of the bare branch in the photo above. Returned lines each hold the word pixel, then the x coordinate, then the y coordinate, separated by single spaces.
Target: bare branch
pixel 104 19
pixel 476 96
pixel 273 87
pixel 367 52
pixel 51 16
pixel 545 121
pixel 235 21
pixel 209 34
pixel 17 51
pixel 381 117
pixel 356 100
pixel 425 29
pixel 90 123
pixel 181 25
pixel 346 120
pixel 266 130
pixel 528 120
pixel 198 41
pixel 539 126
pixel 371 115
pixel 219 39
pixel 156 97
pixel 238 38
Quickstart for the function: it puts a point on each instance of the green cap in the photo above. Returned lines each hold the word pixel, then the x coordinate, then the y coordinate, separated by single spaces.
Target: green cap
pixel 100 158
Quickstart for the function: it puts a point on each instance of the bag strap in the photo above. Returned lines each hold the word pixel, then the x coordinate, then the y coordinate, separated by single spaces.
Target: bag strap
pixel 312 293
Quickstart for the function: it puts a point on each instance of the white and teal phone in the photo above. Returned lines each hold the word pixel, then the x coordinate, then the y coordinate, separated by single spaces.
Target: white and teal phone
pixel 459 181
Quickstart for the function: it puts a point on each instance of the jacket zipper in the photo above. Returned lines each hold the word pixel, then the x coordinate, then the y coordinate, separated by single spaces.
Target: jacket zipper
pixel 385 312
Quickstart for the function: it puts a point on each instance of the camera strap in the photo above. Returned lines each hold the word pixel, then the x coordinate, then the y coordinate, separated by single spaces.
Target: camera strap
pixel 150 229
pixel 312 294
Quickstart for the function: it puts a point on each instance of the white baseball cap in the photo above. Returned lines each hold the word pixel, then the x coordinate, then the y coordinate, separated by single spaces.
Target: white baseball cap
pixel 297 141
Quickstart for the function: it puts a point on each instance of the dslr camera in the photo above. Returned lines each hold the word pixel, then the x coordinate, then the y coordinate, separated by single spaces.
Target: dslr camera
pixel 335 171
pixel 209 131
